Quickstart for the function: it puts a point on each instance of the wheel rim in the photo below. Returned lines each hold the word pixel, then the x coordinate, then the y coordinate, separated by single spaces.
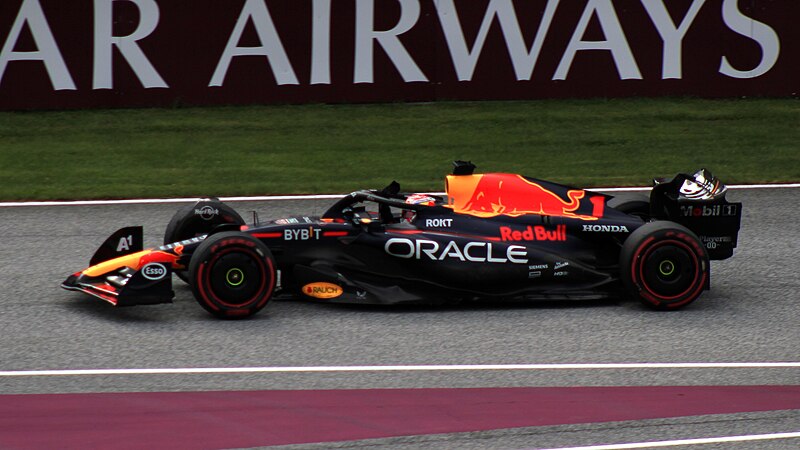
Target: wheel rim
pixel 235 278
pixel 669 271
pixel 666 268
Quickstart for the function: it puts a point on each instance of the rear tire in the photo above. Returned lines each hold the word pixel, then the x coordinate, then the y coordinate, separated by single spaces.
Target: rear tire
pixel 664 265
pixel 633 204
pixel 196 220
pixel 232 275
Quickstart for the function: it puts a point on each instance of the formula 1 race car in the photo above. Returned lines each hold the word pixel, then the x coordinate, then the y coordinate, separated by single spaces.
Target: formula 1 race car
pixel 492 236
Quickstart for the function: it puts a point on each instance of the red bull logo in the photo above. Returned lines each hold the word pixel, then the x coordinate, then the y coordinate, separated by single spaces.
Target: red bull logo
pixel 534 233
pixel 491 195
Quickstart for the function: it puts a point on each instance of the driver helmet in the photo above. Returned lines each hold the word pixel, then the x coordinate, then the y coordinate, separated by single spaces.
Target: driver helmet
pixel 417 199
pixel 702 186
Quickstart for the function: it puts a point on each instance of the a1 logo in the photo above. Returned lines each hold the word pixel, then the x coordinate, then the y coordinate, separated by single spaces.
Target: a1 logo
pixel 125 243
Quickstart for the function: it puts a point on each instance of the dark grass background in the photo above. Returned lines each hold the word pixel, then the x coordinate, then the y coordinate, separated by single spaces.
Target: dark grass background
pixel 340 148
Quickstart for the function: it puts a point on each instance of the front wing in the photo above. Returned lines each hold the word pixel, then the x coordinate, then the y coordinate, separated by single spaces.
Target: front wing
pixel 123 274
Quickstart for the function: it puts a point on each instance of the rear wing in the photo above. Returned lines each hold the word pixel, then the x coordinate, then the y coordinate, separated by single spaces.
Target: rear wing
pixel 698 202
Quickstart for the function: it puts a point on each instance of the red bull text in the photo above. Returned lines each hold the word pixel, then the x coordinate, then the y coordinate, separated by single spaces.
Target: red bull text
pixel 534 233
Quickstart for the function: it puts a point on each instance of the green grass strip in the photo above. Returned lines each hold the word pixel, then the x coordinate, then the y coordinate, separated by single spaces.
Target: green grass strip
pixel 261 150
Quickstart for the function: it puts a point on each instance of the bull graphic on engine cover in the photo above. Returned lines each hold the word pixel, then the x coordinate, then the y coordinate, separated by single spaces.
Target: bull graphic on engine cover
pixel 490 195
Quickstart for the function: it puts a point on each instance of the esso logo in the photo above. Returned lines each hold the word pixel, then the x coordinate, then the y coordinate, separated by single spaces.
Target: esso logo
pixel 154 271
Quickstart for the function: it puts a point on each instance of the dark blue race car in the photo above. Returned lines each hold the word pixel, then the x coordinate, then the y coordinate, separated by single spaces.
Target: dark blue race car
pixel 492 236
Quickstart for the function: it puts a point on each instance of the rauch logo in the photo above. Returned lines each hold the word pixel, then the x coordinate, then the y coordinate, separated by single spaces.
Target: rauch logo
pixel 322 290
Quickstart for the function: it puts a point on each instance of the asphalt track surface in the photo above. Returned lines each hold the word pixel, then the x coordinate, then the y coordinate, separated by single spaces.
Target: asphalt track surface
pixel 750 315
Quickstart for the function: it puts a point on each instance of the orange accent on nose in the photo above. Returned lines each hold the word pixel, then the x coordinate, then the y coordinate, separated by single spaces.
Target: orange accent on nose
pixel 135 261
pixel 104 267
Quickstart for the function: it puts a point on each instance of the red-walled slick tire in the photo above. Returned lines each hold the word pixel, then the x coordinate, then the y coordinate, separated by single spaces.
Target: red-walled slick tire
pixel 232 275
pixel 664 265
pixel 196 220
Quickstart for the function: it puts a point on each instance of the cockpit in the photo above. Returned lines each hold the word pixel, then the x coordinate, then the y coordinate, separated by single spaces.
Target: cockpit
pixel 385 207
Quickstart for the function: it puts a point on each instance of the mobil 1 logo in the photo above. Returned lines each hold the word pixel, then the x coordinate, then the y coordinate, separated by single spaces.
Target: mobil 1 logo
pixel 709 210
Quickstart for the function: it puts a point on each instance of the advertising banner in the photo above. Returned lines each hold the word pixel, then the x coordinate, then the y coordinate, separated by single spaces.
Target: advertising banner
pixel 133 53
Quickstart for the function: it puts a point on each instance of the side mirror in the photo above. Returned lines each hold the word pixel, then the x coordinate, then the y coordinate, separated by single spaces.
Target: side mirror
pixel 358 218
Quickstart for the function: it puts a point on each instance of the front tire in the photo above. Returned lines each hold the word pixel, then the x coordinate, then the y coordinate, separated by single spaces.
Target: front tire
pixel 196 220
pixel 664 265
pixel 232 275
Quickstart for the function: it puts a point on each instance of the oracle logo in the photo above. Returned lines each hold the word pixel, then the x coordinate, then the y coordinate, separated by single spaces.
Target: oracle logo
pixel 452 250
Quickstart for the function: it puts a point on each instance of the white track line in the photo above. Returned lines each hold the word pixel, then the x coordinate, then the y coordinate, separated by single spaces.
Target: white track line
pixel 455 367
pixel 144 201
pixel 265 198
pixel 714 440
